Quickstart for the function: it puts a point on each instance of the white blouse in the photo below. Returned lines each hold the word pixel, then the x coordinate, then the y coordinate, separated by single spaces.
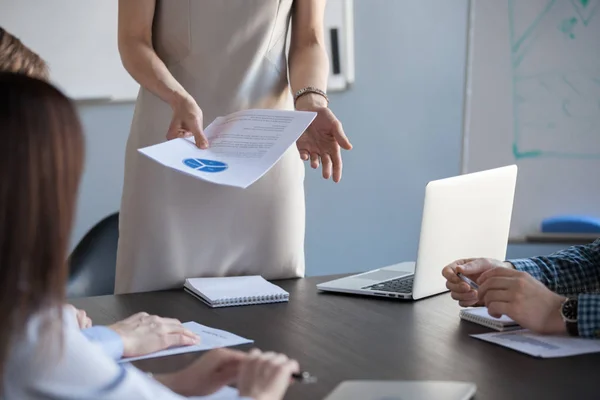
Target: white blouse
pixel 41 367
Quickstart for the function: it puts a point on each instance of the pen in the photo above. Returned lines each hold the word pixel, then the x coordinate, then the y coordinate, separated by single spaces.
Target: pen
pixel 304 377
pixel 467 280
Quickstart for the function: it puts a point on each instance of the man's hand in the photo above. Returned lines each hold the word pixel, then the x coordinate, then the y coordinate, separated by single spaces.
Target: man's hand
pixel 521 297
pixel 144 334
pixel 471 268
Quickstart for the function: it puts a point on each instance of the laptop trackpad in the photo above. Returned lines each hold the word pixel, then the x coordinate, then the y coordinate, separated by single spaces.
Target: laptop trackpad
pixel 382 275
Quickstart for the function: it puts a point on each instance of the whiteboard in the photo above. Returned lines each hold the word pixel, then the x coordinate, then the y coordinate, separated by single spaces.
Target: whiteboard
pixel 78 40
pixel 533 98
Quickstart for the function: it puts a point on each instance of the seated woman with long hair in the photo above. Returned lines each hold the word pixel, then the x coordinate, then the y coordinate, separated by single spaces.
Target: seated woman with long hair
pixel 43 354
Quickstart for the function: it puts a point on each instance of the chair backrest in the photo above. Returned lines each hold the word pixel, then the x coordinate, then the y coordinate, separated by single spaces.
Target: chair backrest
pixel 93 262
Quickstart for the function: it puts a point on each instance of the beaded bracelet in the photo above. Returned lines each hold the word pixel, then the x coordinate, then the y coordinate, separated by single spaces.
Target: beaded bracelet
pixel 310 89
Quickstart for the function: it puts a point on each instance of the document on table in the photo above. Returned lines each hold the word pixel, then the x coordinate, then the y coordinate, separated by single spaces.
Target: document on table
pixel 542 346
pixel 210 338
pixel 243 146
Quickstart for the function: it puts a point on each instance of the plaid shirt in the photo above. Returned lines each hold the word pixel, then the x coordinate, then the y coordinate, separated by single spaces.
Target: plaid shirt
pixel 574 271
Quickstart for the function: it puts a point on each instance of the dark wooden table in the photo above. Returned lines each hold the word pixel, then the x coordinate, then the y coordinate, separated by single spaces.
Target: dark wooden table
pixel 339 337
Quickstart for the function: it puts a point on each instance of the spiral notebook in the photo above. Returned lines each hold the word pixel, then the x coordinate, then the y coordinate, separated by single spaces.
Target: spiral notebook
pixel 481 316
pixel 235 291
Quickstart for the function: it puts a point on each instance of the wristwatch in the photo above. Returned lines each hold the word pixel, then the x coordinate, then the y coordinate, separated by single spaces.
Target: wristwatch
pixel 568 312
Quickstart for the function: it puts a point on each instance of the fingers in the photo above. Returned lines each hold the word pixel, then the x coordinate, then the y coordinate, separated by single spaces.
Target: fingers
pixel 340 136
pixel 467 299
pixel 336 159
pixel 492 296
pixel 304 155
pixel 83 320
pixel 495 283
pixel 314 160
pixel 449 272
pixel 474 266
pixel 167 326
pixel 453 282
pixel 87 323
pixel 498 308
pixel 175 340
pixel 136 317
pixel 199 137
pixel 173 130
pixel 497 272
pixel 327 166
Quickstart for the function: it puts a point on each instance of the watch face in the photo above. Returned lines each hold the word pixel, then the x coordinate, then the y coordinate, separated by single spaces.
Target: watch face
pixel 569 310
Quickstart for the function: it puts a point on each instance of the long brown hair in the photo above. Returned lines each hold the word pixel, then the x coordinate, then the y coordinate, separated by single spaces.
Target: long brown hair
pixel 16 57
pixel 41 157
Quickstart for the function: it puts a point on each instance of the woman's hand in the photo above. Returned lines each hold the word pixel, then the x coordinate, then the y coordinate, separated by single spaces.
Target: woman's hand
pixel 322 141
pixel 210 373
pixel 187 121
pixel 266 376
pixel 83 320
pixel 144 334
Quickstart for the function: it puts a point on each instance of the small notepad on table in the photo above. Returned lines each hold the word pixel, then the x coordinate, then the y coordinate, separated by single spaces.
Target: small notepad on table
pixel 235 291
pixel 480 316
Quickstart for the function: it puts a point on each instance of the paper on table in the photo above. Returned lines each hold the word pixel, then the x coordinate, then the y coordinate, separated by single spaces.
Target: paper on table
pixel 210 338
pixel 542 346
pixel 226 393
pixel 243 146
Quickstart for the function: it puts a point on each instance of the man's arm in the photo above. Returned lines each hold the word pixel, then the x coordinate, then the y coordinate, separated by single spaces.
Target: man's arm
pixel 588 315
pixel 572 271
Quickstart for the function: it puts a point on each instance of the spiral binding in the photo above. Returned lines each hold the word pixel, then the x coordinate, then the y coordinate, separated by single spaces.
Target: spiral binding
pixel 248 300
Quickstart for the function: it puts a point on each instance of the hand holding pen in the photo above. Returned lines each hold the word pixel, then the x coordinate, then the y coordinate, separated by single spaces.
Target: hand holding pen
pixel 462 276
pixel 268 375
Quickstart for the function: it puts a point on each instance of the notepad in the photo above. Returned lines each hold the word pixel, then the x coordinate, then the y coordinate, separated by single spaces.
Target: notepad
pixel 235 291
pixel 481 316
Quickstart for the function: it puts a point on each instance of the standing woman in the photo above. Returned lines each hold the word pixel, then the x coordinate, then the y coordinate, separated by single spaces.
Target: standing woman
pixel 196 60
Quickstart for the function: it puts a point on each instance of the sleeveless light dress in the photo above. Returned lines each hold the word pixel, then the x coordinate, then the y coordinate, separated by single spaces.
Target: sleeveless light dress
pixel 229 55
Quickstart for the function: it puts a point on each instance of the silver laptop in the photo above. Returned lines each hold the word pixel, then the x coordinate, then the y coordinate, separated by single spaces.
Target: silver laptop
pixel 465 216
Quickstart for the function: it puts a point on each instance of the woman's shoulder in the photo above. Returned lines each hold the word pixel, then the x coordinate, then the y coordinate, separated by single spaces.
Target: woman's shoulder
pixel 54 358
pixel 51 351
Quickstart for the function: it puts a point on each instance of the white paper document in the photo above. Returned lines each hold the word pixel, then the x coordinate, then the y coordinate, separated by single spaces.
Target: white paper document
pixel 243 146
pixel 210 338
pixel 226 393
pixel 540 345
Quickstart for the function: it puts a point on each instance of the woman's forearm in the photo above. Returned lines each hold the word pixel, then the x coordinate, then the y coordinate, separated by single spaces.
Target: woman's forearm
pixel 309 66
pixel 136 19
pixel 308 60
pixel 144 65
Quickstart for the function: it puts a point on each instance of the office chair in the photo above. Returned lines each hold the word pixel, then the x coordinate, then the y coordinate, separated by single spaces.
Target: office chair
pixel 92 263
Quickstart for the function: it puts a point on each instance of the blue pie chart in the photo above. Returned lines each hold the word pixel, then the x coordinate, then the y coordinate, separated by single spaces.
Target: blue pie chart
pixel 200 164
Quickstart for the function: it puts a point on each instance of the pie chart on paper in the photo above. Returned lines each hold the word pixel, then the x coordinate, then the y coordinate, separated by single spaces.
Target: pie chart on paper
pixel 203 165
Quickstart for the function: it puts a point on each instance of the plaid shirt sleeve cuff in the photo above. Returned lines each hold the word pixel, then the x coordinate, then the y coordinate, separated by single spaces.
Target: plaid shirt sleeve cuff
pixel 588 314
pixel 529 266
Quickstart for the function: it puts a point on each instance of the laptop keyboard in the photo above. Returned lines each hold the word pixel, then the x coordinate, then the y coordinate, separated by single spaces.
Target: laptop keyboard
pixel 398 285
